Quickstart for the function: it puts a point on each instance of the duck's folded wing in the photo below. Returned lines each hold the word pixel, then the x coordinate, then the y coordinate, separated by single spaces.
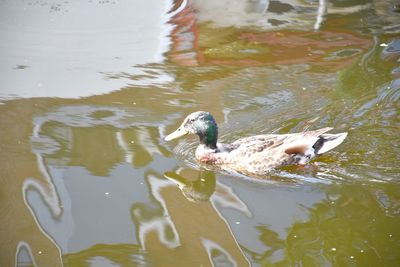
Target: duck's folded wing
pixel 314 142
pixel 258 143
pixel 256 139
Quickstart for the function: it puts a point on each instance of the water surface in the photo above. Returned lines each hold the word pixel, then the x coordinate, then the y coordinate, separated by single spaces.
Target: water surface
pixel 87 180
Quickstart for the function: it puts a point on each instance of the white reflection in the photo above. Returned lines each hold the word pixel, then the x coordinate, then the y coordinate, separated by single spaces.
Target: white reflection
pixel 125 147
pixel 19 257
pixel 211 247
pixel 179 8
pixel 47 191
pixel 179 235
pixel 159 225
pixel 145 138
pixel 259 13
pixel 322 10
pixel 58 50
pixel 226 198
pixel 101 262
pixel 55 200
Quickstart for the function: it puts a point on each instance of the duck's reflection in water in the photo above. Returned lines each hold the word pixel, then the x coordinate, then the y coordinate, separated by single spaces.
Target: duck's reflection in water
pixel 186 228
pixel 198 190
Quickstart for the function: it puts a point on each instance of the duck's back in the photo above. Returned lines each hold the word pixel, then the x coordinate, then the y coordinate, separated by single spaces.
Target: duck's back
pixel 259 154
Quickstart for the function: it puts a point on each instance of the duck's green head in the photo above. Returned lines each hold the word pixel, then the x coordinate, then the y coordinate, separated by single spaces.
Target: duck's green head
pixel 201 123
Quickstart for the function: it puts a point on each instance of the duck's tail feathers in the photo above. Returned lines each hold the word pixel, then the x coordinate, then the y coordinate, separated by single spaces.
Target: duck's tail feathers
pixel 327 142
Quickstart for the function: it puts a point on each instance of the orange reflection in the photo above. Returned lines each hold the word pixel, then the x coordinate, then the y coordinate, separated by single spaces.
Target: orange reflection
pixel 195 43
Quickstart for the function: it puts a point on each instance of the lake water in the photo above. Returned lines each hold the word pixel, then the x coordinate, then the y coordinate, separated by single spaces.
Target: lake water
pixel 89 90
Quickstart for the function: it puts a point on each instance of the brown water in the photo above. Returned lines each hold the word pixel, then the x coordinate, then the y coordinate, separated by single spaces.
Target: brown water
pixel 89 90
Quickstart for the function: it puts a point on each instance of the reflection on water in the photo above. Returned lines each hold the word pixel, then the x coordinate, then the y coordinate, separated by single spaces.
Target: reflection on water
pixel 90 181
pixel 53 49
pixel 180 231
pixel 199 190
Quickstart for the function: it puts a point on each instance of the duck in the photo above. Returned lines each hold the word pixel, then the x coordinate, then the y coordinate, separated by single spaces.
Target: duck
pixel 254 155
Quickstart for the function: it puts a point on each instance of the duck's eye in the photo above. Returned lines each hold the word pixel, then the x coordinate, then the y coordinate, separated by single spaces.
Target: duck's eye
pixel 192 120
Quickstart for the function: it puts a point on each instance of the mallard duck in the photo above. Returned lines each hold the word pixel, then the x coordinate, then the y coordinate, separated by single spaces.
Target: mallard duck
pixel 258 154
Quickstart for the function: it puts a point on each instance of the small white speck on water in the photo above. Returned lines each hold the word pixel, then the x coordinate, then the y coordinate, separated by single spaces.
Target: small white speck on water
pixel 333 249
pixel 362 251
pixel 107 193
pixel 332 202
pixel 383 45
pixel 141 182
pixel 134 103
pixel 303 88
pixel 202 179
pixel 237 223
pixel 295 236
pixel 39 252
pixel 390 235
pixel 132 142
pixel 352 257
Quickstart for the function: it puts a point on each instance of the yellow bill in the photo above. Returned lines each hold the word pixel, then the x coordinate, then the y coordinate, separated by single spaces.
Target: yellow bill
pixel 178 133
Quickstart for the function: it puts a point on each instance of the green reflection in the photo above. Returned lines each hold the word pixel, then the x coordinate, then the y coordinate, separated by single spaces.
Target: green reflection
pixel 354 229
pixel 96 149
pixel 353 226
pixel 118 254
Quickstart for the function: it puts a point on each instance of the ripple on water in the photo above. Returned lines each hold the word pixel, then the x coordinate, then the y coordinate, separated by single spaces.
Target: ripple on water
pixel 381 109
pixel 184 152
pixel 392 50
pixel 374 150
